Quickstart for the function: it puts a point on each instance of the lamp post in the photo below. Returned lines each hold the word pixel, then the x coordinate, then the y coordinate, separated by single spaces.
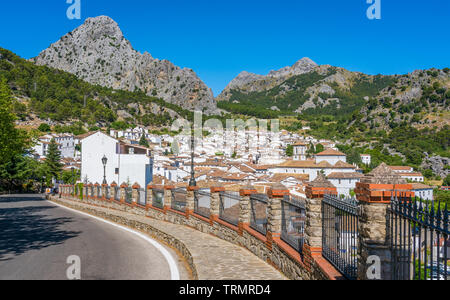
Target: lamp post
pixel 104 162
pixel 192 182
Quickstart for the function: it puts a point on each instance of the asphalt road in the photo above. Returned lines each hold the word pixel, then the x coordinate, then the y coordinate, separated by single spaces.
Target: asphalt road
pixel 37 237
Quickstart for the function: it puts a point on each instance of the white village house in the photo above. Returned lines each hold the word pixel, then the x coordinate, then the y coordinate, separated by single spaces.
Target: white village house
pixel 65 142
pixel 126 163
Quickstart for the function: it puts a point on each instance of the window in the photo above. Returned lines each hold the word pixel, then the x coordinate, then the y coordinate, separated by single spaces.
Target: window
pixel 117 171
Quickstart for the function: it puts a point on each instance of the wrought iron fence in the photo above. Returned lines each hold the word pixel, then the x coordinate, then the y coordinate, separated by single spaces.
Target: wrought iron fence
pixel 258 212
pixel 142 197
pixel 117 193
pixel 419 239
pixel 108 193
pixel 158 198
pixel 179 200
pixel 229 207
pixel 202 203
pixel 293 218
pixel 340 218
pixel 129 195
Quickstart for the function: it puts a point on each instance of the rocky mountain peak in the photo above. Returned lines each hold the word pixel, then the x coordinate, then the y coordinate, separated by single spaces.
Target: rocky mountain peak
pixel 250 82
pixel 98 53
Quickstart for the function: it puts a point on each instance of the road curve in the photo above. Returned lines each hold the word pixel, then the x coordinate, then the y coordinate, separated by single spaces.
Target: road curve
pixel 37 237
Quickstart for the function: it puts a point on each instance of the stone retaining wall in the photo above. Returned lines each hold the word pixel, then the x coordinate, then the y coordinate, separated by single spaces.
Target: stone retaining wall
pixel 279 254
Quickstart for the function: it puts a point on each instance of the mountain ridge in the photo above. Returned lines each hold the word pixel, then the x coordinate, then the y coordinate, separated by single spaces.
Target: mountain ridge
pixel 98 53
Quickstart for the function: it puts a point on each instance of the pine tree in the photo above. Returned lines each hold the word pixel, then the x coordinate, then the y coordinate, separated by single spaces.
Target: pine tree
pixel 53 160
pixel 143 141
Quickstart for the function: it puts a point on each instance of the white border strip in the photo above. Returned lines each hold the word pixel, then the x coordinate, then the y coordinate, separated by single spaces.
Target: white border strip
pixel 174 272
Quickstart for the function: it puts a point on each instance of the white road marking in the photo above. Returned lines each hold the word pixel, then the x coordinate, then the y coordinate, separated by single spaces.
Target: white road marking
pixel 174 272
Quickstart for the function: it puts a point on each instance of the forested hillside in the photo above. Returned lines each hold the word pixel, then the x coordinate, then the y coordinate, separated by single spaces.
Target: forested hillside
pixel 54 95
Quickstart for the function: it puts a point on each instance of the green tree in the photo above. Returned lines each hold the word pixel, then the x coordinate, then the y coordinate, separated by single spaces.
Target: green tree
pixel 290 151
pixel 53 160
pixel 68 177
pixel 446 181
pixel 44 127
pixel 319 148
pixel 12 140
pixel 143 141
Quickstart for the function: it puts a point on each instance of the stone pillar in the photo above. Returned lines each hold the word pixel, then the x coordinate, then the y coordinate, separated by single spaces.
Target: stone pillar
pixel 112 191
pixel 135 194
pixel 104 187
pixel 374 193
pixel 276 193
pixel 89 191
pixel 168 197
pixel 315 192
pixel 123 190
pixel 85 191
pixel 190 200
pixel 244 207
pixel 215 202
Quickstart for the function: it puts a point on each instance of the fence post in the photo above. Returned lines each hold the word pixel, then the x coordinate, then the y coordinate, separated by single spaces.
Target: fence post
pixel 113 192
pixel 123 191
pixel 104 187
pixel 149 201
pixel 215 202
pixel 89 191
pixel 135 193
pixel 244 207
pixel 85 191
pixel 96 195
pixel 190 200
pixel 168 197
pixel 315 192
pixel 276 193
pixel 374 193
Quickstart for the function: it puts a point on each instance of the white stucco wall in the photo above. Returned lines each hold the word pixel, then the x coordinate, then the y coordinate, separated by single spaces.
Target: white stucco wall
pixel 331 159
pixel 344 186
pixel 130 167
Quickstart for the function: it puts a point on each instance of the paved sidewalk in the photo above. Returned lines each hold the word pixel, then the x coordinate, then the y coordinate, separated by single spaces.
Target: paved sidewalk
pixel 214 259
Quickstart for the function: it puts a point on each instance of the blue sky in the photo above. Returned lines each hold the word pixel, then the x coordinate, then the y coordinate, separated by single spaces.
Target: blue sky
pixel 219 39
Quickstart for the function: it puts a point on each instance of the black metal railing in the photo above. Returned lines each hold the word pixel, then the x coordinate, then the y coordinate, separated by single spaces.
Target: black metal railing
pixel 202 203
pixel 108 193
pixel 158 198
pixel 340 218
pixel 179 200
pixel 258 212
pixel 117 193
pixel 293 218
pixel 419 231
pixel 142 197
pixel 229 207
pixel 129 195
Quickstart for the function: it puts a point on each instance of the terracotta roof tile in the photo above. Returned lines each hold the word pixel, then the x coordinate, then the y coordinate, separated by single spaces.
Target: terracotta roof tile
pixel 330 152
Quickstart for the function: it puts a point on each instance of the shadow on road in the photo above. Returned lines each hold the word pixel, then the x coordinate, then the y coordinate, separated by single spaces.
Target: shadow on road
pixel 29 226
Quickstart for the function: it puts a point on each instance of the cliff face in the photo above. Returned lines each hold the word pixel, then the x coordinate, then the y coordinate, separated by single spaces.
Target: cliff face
pixel 98 53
